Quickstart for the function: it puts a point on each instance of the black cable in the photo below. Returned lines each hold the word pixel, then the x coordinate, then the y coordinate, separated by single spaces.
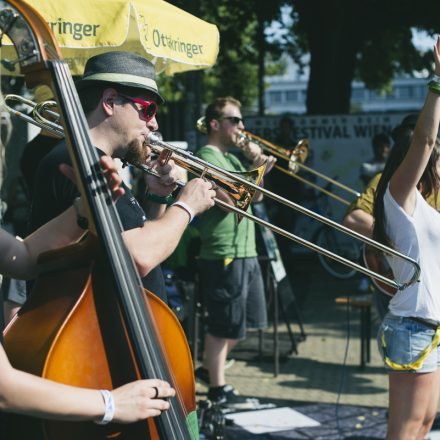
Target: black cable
pixel 343 372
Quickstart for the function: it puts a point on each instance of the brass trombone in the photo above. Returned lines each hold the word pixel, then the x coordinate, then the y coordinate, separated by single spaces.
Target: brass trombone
pixel 201 168
pixel 241 197
pixel 37 117
pixel 241 189
pixel 295 157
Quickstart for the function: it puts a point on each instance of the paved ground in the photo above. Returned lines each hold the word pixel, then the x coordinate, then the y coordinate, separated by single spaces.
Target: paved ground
pixel 326 368
pixel 326 362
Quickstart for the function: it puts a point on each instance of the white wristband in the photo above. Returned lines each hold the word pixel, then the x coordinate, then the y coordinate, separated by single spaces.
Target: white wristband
pixel 109 407
pixel 185 207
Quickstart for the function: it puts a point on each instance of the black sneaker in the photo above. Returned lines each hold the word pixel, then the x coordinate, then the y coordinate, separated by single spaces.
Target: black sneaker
pixel 202 374
pixel 228 397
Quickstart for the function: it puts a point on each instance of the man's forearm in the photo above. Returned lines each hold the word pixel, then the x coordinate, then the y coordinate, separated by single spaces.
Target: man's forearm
pixel 157 239
pixel 154 210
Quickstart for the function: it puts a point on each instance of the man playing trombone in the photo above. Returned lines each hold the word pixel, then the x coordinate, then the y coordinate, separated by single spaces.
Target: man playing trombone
pixel 230 278
pixel 120 98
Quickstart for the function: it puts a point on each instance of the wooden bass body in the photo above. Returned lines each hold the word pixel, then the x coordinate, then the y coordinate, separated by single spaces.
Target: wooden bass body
pixel 71 331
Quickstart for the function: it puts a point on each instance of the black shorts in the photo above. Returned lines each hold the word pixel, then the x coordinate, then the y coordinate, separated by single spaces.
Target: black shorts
pixel 234 296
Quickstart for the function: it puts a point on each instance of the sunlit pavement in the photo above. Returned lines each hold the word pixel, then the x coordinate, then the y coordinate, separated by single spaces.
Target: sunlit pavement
pixel 326 366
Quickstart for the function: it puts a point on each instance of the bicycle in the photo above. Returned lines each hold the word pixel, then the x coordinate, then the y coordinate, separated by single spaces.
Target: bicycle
pixel 326 237
pixel 335 241
pixel 329 238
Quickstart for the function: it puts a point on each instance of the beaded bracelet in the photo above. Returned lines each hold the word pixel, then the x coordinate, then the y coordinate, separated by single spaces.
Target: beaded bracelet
pixel 434 87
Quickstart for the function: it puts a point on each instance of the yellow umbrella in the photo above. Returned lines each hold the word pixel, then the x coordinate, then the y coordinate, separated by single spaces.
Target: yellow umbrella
pixel 174 40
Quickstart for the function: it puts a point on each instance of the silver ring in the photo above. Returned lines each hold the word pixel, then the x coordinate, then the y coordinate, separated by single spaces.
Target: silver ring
pixel 156 395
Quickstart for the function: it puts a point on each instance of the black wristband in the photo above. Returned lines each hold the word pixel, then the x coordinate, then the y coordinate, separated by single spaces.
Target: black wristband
pixel 165 200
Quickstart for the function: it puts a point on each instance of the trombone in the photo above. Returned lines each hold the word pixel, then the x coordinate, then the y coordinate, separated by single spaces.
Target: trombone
pixel 37 117
pixel 240 188
pixel 295 158
pixel 201 168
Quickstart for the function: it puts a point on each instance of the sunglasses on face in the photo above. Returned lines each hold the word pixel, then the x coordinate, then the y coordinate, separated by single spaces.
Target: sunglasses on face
pixel 148 108
pixel 233 119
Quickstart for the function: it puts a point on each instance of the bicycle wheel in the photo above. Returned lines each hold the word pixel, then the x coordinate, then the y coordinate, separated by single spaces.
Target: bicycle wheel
pixel 334 241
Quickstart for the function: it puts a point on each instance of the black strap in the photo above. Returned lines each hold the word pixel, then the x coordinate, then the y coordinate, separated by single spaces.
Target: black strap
pixel 424 322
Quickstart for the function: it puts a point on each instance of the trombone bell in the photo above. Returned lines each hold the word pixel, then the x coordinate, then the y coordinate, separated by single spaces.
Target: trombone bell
pixel 295 158
pixel 299 154
pixel 239 193
pixel 242 195
pixel 201 125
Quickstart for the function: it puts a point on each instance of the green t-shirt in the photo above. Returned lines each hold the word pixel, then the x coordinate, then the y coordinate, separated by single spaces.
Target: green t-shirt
pixel 221 234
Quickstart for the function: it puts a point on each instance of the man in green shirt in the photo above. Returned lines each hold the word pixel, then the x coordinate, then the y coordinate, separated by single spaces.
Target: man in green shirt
pixel 230 278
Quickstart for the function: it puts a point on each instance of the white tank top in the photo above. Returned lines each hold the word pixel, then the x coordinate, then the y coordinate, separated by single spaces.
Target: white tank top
pixel 418 236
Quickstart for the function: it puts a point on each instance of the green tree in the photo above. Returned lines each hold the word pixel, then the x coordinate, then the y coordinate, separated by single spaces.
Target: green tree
pixel 370 40
pixel 244 48
pixel 240 67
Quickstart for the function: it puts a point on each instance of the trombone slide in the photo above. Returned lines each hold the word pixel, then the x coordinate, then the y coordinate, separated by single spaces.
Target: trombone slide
pixel 215 173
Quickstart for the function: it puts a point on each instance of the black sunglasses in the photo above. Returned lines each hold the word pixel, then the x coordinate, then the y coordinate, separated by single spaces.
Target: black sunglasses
pixel 234 119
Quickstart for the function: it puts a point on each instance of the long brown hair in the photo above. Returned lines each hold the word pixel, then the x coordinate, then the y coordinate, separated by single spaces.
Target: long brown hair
pixel 429 182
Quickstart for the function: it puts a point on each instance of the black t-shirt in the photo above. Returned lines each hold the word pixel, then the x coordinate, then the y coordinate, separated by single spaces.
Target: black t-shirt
pixel 33 153
pixel 54 193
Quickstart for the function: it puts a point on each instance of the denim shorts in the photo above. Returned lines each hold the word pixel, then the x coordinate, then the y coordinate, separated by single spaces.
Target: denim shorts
pixel 405 340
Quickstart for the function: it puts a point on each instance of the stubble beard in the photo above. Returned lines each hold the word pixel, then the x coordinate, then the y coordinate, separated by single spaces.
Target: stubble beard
pixel 137 153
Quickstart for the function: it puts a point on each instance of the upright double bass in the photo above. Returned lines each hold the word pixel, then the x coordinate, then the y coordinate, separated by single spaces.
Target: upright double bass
pixel 89 321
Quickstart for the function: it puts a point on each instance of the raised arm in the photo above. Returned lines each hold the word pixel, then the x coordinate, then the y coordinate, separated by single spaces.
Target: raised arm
pixel 404 181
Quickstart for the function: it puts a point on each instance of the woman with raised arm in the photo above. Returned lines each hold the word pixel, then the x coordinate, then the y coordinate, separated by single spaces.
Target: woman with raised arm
pixel 409 335
pixel 28 394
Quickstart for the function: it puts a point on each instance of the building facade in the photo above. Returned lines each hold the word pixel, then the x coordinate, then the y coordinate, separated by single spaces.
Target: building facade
pixel 288 93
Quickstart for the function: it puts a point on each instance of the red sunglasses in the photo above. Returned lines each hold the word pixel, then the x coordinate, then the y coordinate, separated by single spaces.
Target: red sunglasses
pixel 149 108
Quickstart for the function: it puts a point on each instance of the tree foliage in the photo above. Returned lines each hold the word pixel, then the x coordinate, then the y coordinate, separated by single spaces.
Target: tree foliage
pixel 370 40
pixel 237 68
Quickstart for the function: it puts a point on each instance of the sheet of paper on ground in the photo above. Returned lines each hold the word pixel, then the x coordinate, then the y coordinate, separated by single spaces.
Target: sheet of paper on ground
pixel 271 420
